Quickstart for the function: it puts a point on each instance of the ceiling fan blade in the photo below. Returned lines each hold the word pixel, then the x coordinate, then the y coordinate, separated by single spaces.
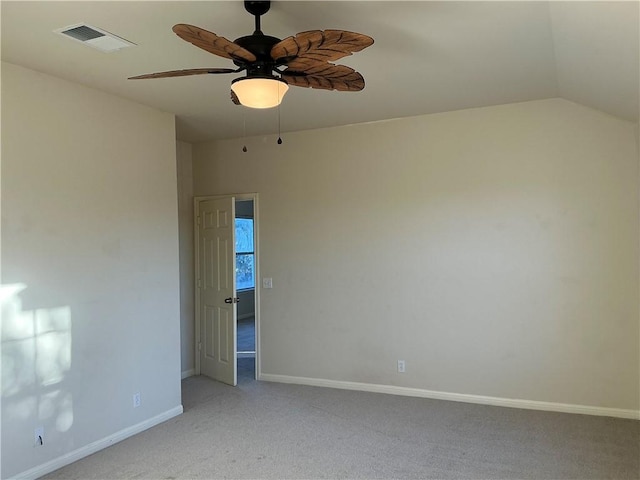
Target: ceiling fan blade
pixel 213 43
pixel 184 73
pixel 321 45
pixel 325 76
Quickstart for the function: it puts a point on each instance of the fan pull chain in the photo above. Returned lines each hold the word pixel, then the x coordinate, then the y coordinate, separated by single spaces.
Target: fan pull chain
pixel 244 130
pixel 279 138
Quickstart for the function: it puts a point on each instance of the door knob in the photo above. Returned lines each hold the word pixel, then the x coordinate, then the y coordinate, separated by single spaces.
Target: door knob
pixel 231 300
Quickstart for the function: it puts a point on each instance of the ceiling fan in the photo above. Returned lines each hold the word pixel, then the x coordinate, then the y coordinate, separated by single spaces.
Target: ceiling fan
pixel 271 64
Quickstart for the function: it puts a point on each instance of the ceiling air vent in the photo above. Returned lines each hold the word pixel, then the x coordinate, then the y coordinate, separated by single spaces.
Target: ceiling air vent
pixel 94 37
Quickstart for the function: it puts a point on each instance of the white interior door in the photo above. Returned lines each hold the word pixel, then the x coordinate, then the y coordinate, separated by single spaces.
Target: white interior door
pixel 217 289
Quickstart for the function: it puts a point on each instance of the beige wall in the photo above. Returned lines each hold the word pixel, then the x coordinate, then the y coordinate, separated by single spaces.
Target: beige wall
pixel 90 311
pixel 495 250
pixel 187 275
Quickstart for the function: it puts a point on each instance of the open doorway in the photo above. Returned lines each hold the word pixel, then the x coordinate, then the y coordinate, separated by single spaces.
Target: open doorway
pixel 220 300
pixel 245 287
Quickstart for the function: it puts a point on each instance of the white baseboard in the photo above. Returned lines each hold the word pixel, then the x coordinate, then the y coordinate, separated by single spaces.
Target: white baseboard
pixel 93 447
pixel 188 373
pixel 456 397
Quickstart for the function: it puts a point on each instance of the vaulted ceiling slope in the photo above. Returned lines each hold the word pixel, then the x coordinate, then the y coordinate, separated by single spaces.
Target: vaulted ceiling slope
pixel 428 57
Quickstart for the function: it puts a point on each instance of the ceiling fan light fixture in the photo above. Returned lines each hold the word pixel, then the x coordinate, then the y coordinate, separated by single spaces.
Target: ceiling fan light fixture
pixel 259 92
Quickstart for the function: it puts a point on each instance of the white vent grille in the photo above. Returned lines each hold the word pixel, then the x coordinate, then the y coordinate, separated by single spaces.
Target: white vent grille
pixel 94 37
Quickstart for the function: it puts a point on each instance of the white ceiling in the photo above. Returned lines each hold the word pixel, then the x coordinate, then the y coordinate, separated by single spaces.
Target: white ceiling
pixel 428 57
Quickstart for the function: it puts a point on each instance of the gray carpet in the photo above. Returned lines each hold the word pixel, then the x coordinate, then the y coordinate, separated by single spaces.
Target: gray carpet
pixel 246 335
pixel 269 430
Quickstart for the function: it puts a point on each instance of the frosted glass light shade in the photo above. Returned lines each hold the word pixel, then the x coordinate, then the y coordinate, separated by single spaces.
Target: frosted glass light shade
pixel 259 92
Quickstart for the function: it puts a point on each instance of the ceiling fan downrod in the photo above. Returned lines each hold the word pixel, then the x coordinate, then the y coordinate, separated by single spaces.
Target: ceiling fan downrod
pixel 257 8
pixel 258 43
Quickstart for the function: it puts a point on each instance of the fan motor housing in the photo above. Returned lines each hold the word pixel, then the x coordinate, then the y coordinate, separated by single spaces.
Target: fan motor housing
pixel 259 45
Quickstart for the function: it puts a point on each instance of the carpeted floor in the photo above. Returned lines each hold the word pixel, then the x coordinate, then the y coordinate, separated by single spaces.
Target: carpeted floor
pixel 246 369
pixel 276 431
pixel 246 338
pixel 246 335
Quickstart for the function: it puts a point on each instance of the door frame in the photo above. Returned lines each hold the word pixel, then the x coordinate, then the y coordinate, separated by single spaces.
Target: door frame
pixel 256 290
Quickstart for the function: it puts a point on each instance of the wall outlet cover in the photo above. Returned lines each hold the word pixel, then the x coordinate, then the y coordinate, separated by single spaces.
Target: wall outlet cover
pixel 401 366
pixel 39 436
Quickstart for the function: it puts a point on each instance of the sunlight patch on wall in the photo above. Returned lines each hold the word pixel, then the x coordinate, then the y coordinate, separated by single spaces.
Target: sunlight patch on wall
pixel 18 348
pixel 22 410
pixel 64 420
pixel 53 344
pixel 57 406
pixel 36 357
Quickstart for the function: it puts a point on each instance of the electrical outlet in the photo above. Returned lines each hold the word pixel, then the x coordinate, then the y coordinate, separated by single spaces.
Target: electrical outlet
pixel 39 436
pixel 136 400
pixel 400 366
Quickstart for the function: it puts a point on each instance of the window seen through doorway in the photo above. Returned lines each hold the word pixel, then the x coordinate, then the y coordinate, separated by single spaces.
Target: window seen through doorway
pixel 245 265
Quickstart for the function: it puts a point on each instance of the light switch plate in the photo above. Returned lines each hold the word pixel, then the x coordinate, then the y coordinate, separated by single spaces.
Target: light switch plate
pixel 267 282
